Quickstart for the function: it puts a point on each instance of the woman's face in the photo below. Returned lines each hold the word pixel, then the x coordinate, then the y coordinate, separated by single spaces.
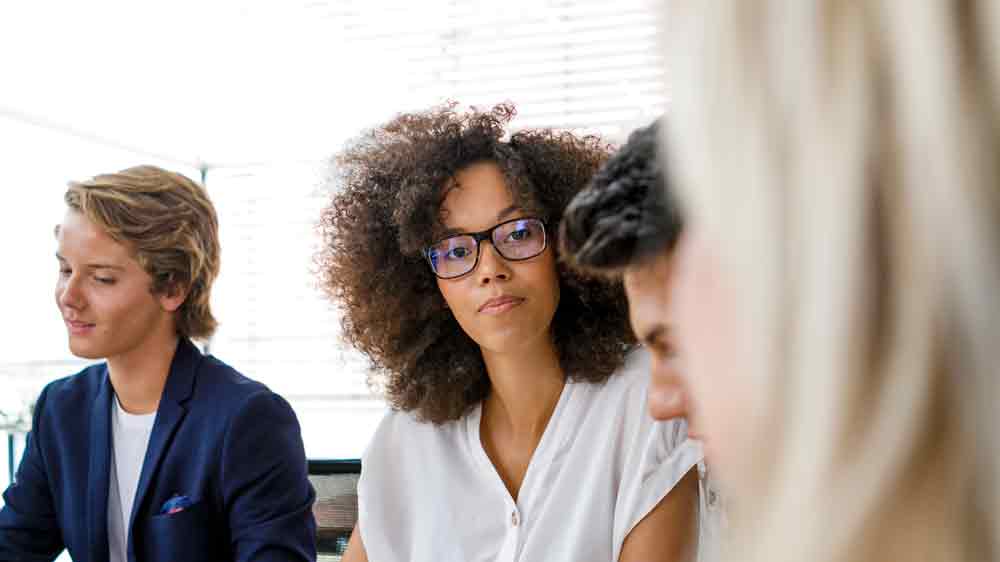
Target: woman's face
pixel 504 306
pixel 711 351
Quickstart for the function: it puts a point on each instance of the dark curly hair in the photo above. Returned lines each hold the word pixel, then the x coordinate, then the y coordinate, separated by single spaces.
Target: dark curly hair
pixel 626 214
pixel 388 187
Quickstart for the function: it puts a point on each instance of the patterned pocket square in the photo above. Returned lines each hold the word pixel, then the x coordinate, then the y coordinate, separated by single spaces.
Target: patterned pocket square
pixel 175 504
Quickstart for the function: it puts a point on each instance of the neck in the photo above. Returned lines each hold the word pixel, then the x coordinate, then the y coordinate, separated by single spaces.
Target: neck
pixel 525 388
pixel 139 376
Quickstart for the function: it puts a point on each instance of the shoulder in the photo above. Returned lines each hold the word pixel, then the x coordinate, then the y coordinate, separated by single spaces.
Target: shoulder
pixel 403 435
pixel 625 391
pixel 69 391
pixel 620 405
pixel 219 385
pixel 633 375
pixel 230 401
pixel 405 429
pixel 63 409
pixel 410 462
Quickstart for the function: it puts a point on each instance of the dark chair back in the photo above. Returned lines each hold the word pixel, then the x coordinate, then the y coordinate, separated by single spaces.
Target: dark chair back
pixel 336 507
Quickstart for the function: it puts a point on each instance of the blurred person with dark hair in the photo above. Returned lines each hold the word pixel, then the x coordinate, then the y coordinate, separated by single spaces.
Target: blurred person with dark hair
pixel 160 452
pixel 625 224
pixel 518 429
pixel 837 310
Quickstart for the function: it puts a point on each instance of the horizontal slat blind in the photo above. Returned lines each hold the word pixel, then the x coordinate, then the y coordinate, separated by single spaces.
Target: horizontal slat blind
pixel 590 66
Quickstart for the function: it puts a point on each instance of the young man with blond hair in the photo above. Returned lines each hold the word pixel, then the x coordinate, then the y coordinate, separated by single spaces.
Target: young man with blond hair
pixel 160 452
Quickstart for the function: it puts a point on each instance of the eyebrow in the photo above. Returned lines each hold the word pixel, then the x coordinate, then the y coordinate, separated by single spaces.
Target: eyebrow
pixel 95 265
pixel 500 217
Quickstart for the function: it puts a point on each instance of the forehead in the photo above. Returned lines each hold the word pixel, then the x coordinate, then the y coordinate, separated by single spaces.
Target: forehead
pixel 475 197
pixel 650 277
pixel 79 238
pixel 647 289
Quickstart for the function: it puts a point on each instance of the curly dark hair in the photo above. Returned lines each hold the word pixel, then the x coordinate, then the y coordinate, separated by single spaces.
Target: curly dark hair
pixel 388 188
pixel 626 214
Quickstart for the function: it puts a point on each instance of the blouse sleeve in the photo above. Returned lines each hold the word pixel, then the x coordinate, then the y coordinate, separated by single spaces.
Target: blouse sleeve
pixel 657 456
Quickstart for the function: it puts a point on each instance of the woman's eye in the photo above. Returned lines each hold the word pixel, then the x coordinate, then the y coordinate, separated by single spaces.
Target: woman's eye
pixel 519 235
pixel 458 253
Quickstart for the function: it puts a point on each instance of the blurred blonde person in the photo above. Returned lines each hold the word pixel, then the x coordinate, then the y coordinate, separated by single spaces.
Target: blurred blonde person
pixel 837 290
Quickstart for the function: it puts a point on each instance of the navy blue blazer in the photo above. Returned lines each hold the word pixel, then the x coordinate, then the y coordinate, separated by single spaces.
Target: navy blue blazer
pixel 226 442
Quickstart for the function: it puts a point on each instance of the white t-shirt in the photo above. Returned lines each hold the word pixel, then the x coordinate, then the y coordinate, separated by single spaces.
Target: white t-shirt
pixel 430 493
pixel 130 438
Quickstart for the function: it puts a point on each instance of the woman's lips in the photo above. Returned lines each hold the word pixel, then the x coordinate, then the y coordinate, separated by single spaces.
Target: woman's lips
pixel 499 305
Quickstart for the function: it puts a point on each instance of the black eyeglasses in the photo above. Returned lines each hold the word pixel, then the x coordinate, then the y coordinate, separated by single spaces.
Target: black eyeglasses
pixel 514 240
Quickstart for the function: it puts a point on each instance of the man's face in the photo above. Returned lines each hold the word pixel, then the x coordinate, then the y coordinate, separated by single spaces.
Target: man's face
pixel 646 286
pixel 104 294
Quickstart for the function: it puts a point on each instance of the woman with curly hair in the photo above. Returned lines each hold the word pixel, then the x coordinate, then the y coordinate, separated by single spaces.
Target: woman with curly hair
pixel 518 430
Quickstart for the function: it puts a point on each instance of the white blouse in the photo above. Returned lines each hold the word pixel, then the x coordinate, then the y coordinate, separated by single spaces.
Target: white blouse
pixel 430 493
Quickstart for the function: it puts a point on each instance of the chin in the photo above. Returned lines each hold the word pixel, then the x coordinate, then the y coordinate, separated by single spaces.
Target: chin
pixel 501 345
pixel 85 352
pixel 511 341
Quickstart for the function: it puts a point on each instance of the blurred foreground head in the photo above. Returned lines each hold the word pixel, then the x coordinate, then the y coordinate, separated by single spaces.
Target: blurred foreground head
pixel 839 166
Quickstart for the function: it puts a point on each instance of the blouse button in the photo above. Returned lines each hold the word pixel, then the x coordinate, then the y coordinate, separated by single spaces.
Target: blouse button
pixel 712 497
pixel 514 519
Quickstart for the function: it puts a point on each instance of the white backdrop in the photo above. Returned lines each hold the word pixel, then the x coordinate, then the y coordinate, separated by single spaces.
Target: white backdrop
pixel 259 94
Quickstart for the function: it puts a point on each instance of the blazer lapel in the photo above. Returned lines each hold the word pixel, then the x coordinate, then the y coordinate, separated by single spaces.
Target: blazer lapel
pixel 99 472
pixel 169 414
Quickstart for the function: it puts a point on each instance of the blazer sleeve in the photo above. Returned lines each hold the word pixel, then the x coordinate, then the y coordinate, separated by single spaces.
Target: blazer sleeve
pixel 29 526
pixel 265 483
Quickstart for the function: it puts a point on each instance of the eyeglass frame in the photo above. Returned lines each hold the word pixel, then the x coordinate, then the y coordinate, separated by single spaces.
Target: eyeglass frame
pixel 487 235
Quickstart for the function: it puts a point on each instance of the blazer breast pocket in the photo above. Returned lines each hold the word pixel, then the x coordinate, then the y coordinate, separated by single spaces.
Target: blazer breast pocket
pixel 184 535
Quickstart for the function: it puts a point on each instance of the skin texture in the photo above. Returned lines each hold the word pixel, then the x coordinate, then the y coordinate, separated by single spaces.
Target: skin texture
pixel 650 311
pixel 670 531
pixel 104 296
pixel 704 311
pixel 170 227
pixel 516 343
pixel 481 201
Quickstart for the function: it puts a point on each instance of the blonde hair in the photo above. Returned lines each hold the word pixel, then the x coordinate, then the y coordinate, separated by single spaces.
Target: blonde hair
pixel 171 225
pixel 844 157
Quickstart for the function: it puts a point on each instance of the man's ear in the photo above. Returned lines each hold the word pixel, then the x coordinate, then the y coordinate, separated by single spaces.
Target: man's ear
pixel 174 297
